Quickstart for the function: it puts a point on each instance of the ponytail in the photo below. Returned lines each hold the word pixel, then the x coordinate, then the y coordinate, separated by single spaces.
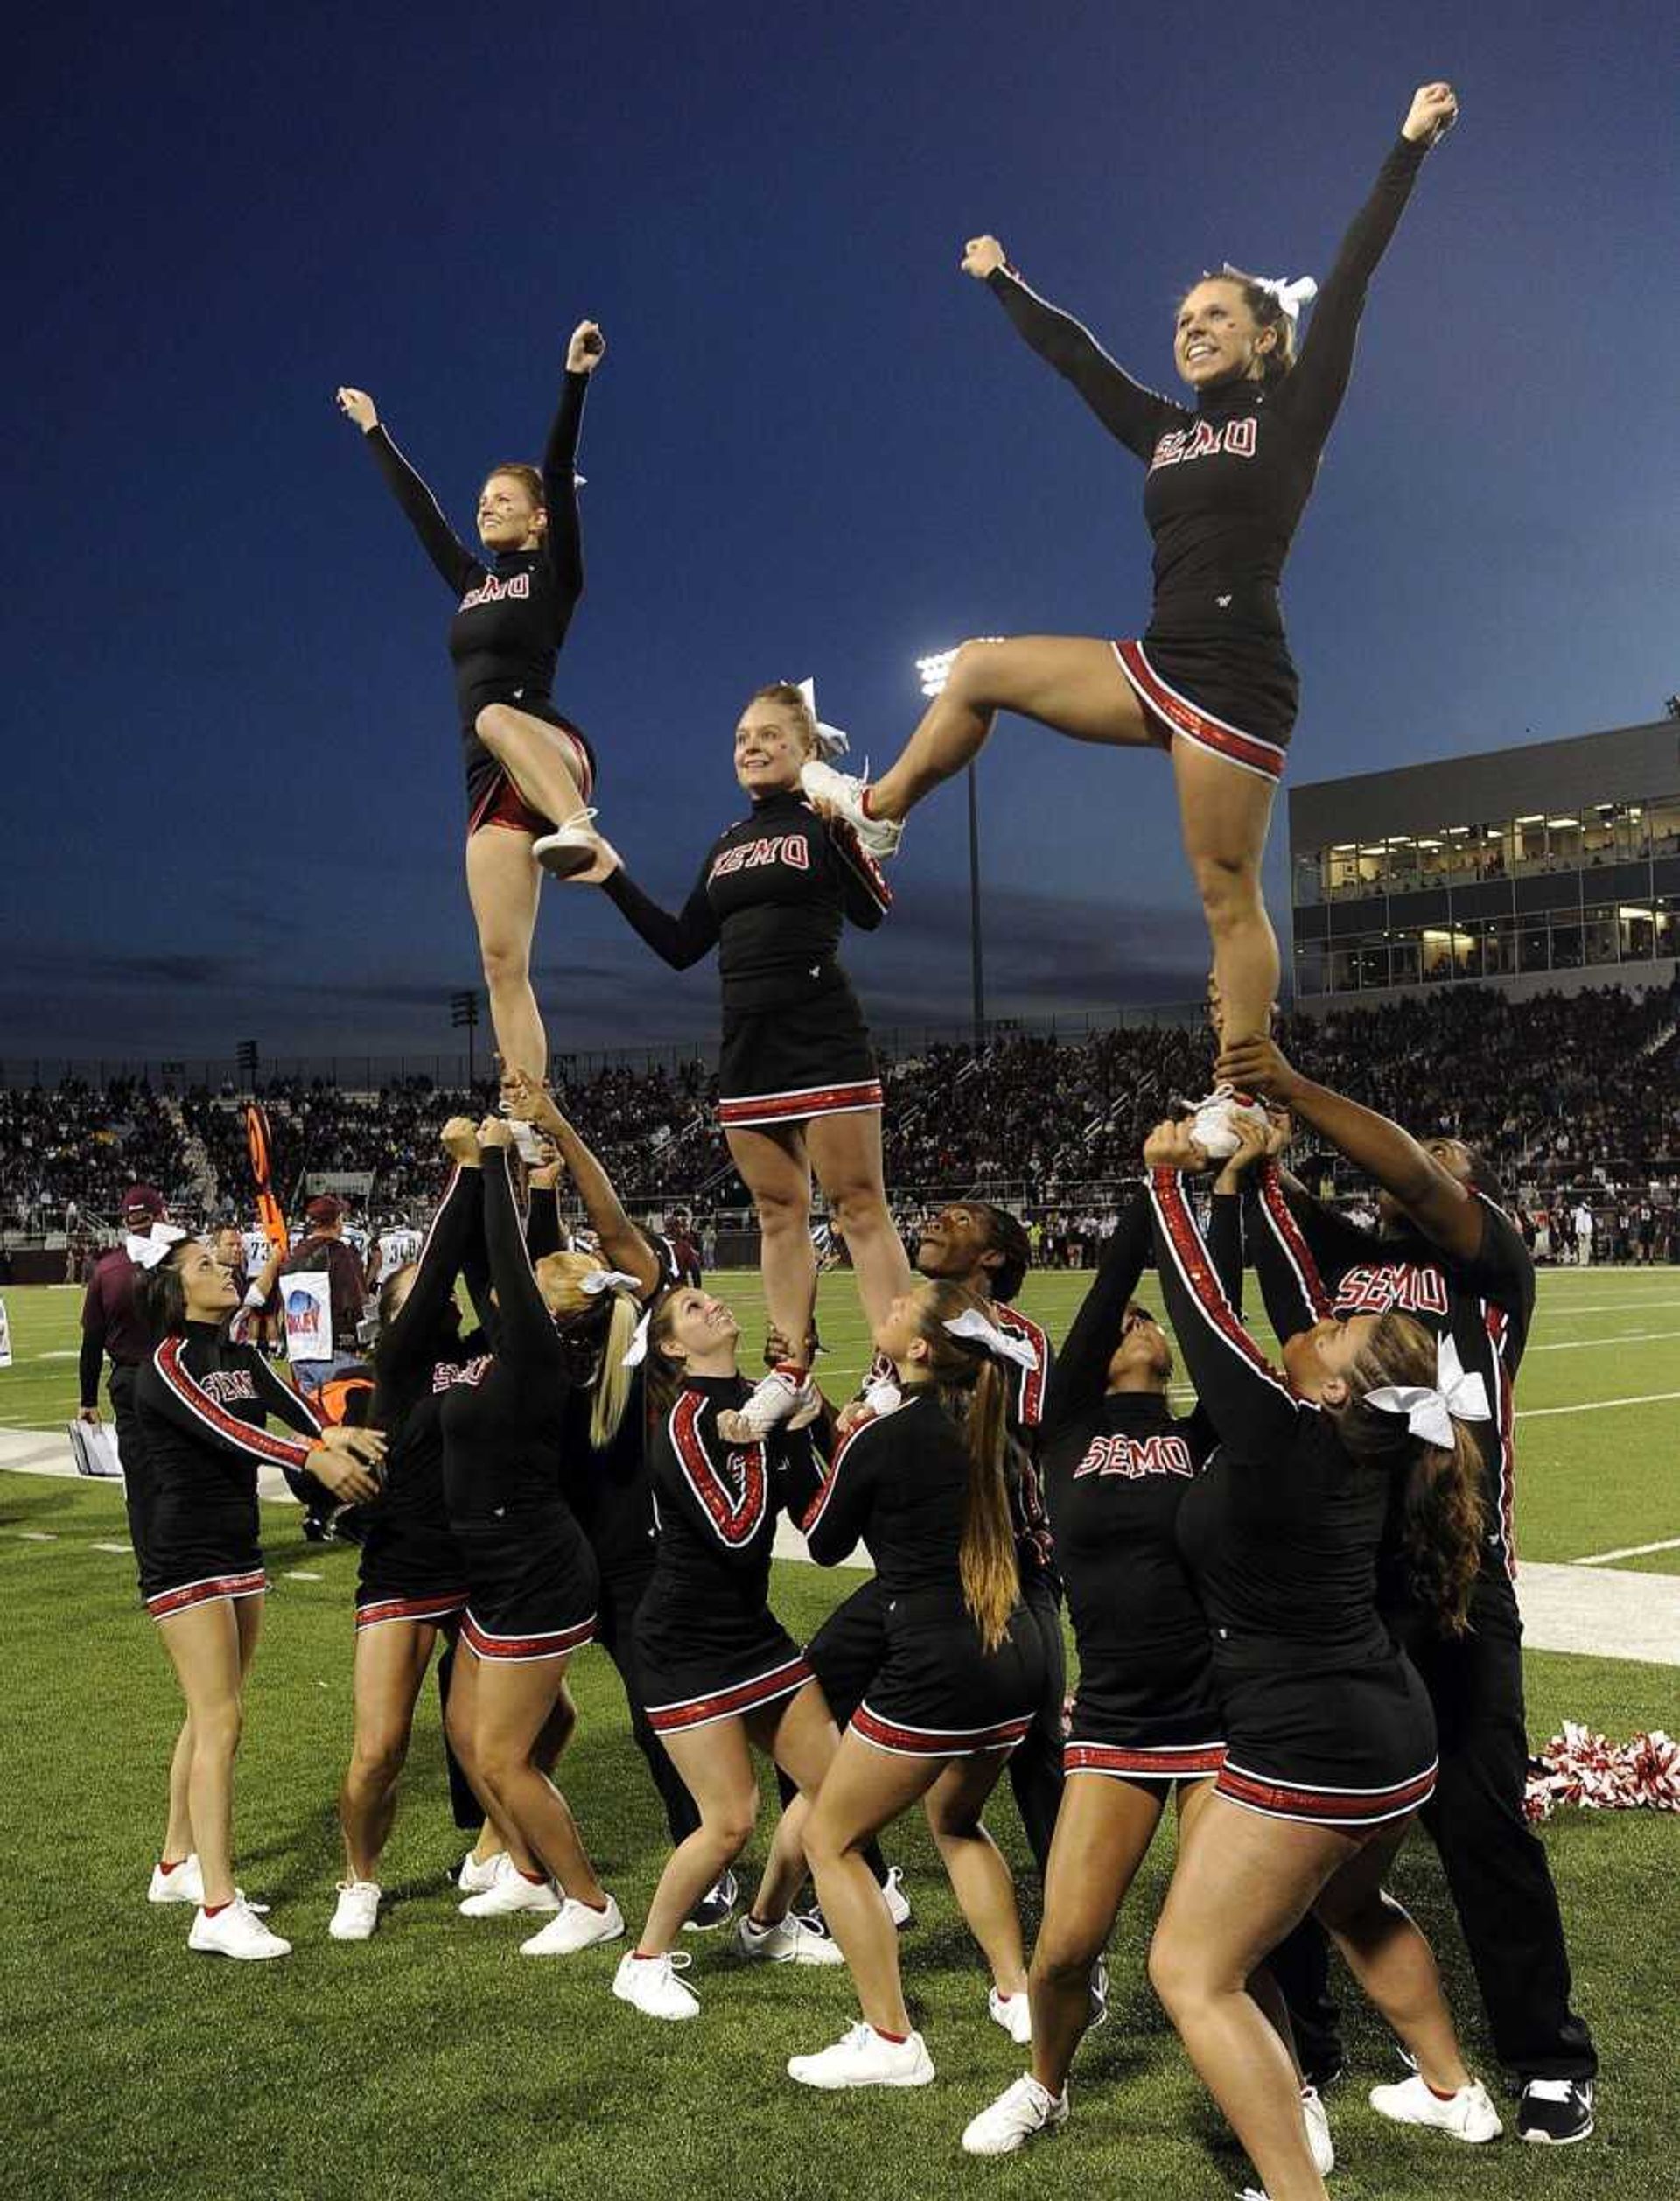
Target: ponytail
pixel 612 1384
pixel 970 1387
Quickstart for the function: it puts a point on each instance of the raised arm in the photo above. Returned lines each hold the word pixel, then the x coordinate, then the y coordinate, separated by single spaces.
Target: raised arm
pixel 1080 1376
pixel 409 1336
pixel 1314 390
pixel 623 1246
pixel 564 541
pixel 680 940
pixel 447 552
pixel 1249 1401
pixel 1137 416
pixel 524 1328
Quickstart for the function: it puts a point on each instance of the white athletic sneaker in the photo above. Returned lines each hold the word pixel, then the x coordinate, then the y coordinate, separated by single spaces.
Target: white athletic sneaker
pixel 898 1903
pixel 183 1884
pixel 358 1911
pixel 235 1931
pixel 773 1399
pixel 475 1878
pixel 861 2057
pixel 1014 2014
pixel 569 848
pixel 844 793
pixel 574 1927
pixel 651 1986
pixel 1317 2119
pixel 789 1941
pixel 1216 1118
pixel 1018 2114
pixel 1467 2115
pixel 509 1892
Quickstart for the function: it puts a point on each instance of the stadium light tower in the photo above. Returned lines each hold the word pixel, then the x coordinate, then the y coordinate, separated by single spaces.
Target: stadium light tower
pixel 932 672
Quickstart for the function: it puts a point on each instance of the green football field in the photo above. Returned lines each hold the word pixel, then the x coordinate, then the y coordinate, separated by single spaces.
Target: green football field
pixel 433 2061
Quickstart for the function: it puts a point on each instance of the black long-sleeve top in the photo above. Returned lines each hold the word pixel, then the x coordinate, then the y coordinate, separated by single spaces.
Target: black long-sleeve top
pixel 1325 1264
pixel 718 1504
pixel 511 618
pixel 1282 1531
pixel 1228 481
pixel 772 895
pixel 503 1416
pixel 1118 1466
pixel 899 1485
pixel 202 1403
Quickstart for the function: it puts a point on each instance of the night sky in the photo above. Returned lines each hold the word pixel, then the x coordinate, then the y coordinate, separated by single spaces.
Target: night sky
pixel 234 803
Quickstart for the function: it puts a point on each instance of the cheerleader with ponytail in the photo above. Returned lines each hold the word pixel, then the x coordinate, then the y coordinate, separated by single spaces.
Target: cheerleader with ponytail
pixel 925 1487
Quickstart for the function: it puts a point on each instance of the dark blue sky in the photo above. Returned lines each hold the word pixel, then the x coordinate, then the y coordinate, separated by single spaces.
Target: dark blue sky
pixel 234 800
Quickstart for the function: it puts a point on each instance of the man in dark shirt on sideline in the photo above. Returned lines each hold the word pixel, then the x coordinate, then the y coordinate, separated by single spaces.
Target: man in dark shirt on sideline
pixel 109 1325
pixel 323 1251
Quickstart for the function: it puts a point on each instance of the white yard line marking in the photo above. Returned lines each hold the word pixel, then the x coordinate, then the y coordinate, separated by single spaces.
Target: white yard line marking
pixel 1598 1405
pixel 1606 1306
pixel 110 1547
pixel 300 1574
pixel 36 1536
pixel 1627 1550
pixel 1585 1344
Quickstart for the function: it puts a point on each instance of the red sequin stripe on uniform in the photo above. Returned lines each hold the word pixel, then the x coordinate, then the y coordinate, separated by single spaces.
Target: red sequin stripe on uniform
pixel 1333 1807
pixel 526 1647
pixel 734 1518
pixel 285 1452
pixel 250 1584
pixel 846 841
pixel 1164 1765
pixel 428 1610
pixel 1179 715
pixel 888 1734
pixel 812 1100
pixel 1166 1190
pixel 813 1512
pixel 1011 1319
pixel 722 1704
pixel 1498 1323
pixel 1274 1202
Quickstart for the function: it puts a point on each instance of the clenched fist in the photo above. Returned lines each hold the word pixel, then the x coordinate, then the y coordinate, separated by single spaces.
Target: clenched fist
pixel 1434 110
pixel 983 257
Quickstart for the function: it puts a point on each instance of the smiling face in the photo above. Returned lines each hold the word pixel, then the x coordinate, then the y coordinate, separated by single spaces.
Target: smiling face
pixel 696 1327
pixel 1317 1360
pixel 770 743
pixel 1217 337
pixel 1143 1359
pixel 207 1285
pixel 510 517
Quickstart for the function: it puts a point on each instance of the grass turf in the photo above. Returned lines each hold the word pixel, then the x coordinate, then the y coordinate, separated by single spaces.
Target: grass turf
pixel 433 2061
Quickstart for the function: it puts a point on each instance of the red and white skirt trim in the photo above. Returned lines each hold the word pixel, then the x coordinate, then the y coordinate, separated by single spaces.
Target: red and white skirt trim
pixel 937 1742
pixel 430 1612
pixel 1178 715
pixel 1352 1810
pixel 554 1643
pixel 253 1583
pixel 1178 1762
pixel 728 1704
pixel 799 1106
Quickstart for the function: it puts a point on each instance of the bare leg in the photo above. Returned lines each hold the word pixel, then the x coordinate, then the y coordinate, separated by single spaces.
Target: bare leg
pixel 980 1879
pixel 1225 811
pixel 1073 686
pixel 512 1704
pixel 778 1175
pixel 717 1768
pixel 390 1664
pixel 502 883
pixel 210 1646
pixel 799 1734
pixel 177 1834
pixel 494 1839
pixel 536 757
pixel 1392 1961
pixel 846 1153
pixel 866 1790
pixel 1103 1830
pixel 1242 1882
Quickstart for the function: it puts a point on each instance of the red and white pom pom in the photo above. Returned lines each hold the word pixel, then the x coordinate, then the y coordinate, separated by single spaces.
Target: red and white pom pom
pixel 1585 1769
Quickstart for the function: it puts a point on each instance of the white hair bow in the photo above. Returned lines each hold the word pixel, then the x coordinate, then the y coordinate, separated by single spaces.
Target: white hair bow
pixel 594 1281
pixel 830 742
pixel 973 1326
pixel 1291 297
pixel 1430 1412
pixel 147 1252
pixel 636 1351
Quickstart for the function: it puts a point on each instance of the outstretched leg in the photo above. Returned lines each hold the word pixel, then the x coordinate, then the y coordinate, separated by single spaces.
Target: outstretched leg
pixel 542 760
pixel 1074 686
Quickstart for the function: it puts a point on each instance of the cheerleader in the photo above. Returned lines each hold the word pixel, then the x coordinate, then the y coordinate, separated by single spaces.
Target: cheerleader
pixel 529 771
pixel 1330 1745
pixel 924 1486
pixel 201 1404
pixel 1146 1727
pixel 411 1577
pixel 798 1089
pixel 1212 681
pixel 721 1675
pixel 531 1579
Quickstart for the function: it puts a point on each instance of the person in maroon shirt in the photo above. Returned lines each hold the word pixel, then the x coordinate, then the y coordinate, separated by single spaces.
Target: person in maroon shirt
pixel 111 1327
pixel 323 1249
